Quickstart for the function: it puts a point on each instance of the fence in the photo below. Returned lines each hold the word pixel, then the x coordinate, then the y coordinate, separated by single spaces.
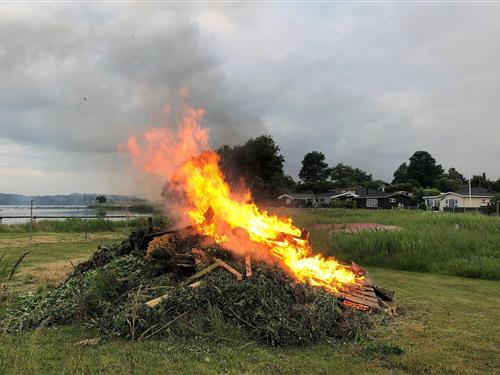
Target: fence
pixel 482 210
pixel 85 216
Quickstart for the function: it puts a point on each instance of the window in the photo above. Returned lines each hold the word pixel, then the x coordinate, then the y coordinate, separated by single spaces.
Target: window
pixel 392 200
pixel 371 202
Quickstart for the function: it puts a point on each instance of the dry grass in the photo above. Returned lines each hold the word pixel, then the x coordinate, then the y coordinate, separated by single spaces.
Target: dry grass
pixel 11 240
pixel 52 272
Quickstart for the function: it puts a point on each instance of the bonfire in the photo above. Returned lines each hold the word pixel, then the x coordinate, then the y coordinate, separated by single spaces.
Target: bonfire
pixel 199 195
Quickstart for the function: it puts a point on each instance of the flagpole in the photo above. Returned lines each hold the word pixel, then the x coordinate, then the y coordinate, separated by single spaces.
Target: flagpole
pixel 470 190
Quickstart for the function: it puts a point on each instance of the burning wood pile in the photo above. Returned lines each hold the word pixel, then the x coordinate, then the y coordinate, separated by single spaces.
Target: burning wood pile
pixel 197 194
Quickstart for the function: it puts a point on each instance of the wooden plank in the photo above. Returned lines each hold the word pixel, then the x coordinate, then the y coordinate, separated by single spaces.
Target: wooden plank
pixel 202 273
pixel 154 302
pixel 235 273
pixel 366 292
pixel 362 301
pixel 357 295
pixel 248 266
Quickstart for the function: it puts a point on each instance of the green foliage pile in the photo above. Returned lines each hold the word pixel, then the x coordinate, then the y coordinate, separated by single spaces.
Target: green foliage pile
pixel 109 292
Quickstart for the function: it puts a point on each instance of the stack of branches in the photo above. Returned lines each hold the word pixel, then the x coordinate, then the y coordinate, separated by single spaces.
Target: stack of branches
pixel 180 283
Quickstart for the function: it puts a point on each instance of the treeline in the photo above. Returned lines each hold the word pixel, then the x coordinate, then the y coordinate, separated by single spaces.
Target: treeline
pixel 61 199
pixel 259 164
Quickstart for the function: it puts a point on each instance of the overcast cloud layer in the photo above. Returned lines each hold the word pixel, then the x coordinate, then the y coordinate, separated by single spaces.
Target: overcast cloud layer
pixel 366 84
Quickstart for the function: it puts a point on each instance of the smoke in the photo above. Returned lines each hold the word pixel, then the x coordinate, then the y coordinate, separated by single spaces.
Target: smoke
pixel 80 80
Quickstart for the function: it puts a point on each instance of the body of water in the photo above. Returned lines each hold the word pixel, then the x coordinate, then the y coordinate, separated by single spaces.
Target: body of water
pixel 69 211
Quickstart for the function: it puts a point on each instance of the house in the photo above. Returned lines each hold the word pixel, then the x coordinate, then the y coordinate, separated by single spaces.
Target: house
pixel 363 198
pixel 376 199
pixel 460 201
pixel 297 199
pixel 313 200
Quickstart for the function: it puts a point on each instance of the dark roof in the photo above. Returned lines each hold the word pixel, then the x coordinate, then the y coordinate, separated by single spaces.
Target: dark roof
pixel 476 191
pixel 298 196
pixel 359 192
pixel 372 193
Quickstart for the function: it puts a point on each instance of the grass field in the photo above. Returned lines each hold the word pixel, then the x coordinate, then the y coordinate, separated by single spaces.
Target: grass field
pixel 454 244
pixel 448 324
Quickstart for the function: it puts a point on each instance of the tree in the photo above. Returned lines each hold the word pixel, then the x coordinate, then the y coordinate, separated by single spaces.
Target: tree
pixel 453 174
pixel 480 181
pixel 446 184
pixel 348 175
pixel 375 184
pixel 495 186
pixel 257 157
pixel 316 187
pixel 101 199
pixel 259 163
pixel 424 169
pixel 314 168
pixel 492 206
pixel 401 174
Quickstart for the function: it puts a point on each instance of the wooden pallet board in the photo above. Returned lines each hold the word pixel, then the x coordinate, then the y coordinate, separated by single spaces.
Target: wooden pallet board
pixel 361 293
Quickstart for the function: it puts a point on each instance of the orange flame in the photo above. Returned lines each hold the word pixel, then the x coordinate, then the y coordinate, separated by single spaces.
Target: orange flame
pixel 192 171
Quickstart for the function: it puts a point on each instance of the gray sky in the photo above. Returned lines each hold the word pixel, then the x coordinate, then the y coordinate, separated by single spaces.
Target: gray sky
pixel 367 84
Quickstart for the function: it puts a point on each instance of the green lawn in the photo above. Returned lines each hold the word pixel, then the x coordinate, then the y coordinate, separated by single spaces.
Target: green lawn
pixel 448 324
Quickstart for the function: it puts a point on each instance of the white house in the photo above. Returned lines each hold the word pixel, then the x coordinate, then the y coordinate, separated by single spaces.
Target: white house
pixel 461 200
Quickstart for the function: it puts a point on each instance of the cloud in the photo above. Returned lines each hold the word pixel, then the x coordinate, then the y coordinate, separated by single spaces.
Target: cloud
pixel 367 84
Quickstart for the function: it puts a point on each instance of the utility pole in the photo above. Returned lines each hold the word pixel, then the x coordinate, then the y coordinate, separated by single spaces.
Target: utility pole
pixel 31 220
pixel 86 220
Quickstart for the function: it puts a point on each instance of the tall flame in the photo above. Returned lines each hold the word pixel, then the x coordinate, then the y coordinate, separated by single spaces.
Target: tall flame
pixel 193 174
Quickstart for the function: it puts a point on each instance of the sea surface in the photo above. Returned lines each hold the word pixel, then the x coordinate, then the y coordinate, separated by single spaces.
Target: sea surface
pixel 68 211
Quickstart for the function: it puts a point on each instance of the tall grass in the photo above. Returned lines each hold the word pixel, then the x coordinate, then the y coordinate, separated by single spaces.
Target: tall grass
pixel 456 244
pixel 77 225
